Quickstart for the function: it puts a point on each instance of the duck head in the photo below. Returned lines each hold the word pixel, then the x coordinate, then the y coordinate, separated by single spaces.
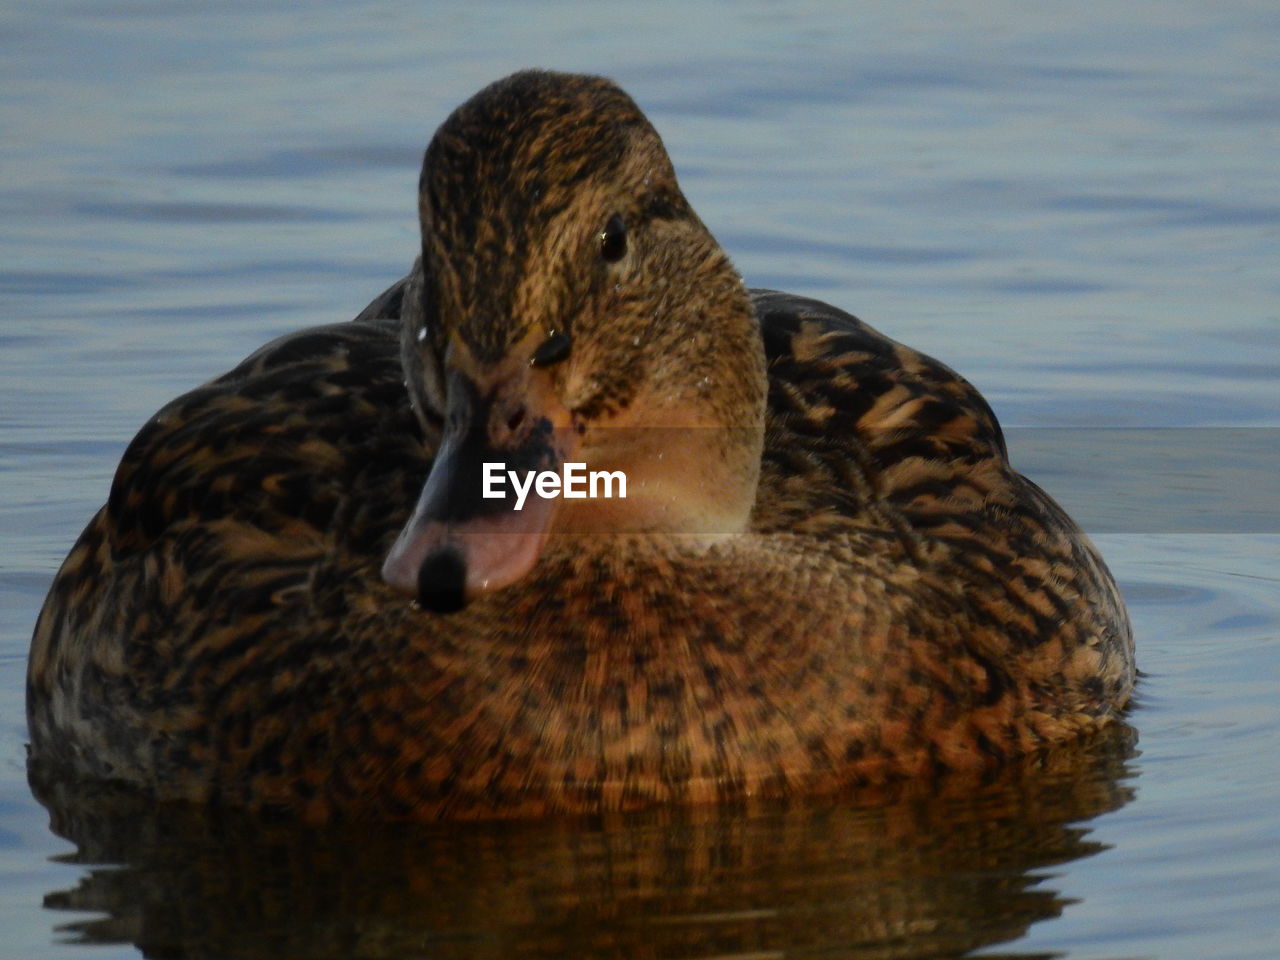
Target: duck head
pixel 569 308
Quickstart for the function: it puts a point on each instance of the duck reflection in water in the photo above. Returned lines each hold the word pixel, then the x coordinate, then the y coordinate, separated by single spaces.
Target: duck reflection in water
pixel 912 872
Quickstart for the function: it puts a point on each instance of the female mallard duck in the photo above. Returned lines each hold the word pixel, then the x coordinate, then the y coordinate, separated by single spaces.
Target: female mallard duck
pixel 823 572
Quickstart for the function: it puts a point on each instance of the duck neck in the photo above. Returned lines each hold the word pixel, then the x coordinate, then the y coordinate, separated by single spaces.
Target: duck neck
pixel 690 442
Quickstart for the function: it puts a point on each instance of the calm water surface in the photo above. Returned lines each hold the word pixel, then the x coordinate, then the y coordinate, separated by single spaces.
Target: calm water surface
pixel 1080 212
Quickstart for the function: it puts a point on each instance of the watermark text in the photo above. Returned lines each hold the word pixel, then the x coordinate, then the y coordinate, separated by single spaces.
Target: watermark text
pixel 573 483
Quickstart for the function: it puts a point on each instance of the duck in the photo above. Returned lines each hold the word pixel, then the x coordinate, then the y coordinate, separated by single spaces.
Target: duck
pixel 316 590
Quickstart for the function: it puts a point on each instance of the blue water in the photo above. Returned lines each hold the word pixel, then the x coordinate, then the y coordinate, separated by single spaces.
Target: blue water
pixel 1076 207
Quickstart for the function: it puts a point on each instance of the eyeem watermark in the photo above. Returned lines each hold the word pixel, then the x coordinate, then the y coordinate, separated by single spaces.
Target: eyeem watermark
pixel 575 483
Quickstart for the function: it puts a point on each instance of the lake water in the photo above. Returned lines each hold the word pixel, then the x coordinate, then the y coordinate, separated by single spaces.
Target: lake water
pixel 1078 207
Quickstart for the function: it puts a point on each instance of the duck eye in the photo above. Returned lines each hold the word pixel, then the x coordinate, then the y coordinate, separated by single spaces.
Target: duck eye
pixel 552 350
pixel 613 239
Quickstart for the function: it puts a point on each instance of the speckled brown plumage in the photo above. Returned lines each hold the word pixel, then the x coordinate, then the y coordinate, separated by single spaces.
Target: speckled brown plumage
pixel 901 602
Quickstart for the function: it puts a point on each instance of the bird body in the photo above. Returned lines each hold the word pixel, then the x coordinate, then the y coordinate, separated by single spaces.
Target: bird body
pixel 825 571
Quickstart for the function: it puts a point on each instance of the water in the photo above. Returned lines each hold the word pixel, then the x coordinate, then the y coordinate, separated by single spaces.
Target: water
pixel 1077 208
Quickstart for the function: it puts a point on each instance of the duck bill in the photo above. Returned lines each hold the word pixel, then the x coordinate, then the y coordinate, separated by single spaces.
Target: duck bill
pixel 479 524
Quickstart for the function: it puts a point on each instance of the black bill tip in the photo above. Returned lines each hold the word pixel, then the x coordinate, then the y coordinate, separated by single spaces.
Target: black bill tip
pixel 442 580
